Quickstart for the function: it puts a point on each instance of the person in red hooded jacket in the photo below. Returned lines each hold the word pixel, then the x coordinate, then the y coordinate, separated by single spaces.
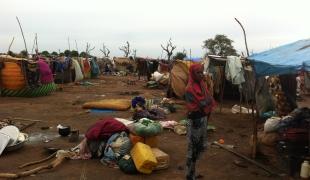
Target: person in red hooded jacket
pixel 199 104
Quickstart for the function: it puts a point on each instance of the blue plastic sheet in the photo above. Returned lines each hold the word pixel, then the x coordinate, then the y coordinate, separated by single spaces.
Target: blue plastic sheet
pixel 286 59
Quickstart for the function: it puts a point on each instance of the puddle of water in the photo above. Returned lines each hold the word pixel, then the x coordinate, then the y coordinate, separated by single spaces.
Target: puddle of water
pixel 45 137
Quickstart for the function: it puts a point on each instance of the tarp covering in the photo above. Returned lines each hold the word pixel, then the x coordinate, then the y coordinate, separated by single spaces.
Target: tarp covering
pixel 179 77
pixel 286 59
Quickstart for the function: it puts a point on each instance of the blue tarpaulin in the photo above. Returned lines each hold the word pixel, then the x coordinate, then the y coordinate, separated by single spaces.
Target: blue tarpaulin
pixel 286 59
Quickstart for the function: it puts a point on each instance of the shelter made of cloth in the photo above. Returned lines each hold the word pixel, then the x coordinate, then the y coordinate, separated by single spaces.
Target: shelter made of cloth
pixel 286 59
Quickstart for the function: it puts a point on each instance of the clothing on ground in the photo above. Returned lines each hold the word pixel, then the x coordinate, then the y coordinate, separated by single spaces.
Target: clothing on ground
pixel 104 128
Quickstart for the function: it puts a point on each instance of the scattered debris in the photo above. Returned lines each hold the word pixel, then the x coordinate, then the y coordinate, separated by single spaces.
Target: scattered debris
pixel 248 159
pixel 240 163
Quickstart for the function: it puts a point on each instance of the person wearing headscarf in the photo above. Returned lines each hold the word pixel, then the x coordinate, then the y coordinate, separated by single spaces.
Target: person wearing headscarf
pixel 199 104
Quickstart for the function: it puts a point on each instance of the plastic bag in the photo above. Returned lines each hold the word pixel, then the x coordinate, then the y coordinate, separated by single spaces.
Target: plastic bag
pixel 271 124
pixel 146 127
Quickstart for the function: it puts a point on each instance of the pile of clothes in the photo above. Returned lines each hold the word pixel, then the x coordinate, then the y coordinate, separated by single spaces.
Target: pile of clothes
pixel 107 140
pixel 151 109
pixel 111 141
pixel 287 136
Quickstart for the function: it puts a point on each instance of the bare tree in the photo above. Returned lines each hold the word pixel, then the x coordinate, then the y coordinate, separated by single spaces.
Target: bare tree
pixel 134 53
pixel 105 51
pixel 88 49
pixel 126 49
pixel 169 49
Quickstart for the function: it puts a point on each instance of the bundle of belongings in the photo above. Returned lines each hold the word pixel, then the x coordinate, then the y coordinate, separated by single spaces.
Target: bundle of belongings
pixel 117 146
pixel 288 136
pixel 161 78
pixel 152 109
pixel 61 67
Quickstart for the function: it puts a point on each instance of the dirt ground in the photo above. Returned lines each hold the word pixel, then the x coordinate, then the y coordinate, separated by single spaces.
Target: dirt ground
pixel 65 107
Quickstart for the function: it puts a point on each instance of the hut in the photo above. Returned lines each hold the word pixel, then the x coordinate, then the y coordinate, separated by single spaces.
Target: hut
pixel 25 78
pixel 124 64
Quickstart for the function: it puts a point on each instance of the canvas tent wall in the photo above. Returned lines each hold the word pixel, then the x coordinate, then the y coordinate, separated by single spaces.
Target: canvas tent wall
pixel 78 74
pixel 179 77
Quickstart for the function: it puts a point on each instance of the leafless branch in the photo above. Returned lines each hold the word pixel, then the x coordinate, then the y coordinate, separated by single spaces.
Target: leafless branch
pixel 169 49
pixel 126 49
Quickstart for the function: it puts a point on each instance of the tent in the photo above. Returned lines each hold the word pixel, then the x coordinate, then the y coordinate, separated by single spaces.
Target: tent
pixel 78 71
pixel 286 59
pixel 122 63
pixel 25 78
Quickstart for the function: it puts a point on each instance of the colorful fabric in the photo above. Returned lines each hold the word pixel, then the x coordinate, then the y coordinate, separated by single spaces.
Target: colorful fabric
pixel 95 71
pixel 46 75
pixel 104 128
pixel 197 95
pixel 137 100
pixel 42 90
pixel 86 68
pixel 153 114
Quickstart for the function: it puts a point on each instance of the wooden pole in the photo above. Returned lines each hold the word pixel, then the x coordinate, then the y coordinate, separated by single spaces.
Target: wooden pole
pixel 245 41
pixel 69 44
pixel 240 100
pixel 34 43
pixel 254 148
pixel 248 159
pixel 37 47
pixel 21 29
pixel 24 119
pixel 51 165
pixel 39 161
pixel 222 90
pixel 10 47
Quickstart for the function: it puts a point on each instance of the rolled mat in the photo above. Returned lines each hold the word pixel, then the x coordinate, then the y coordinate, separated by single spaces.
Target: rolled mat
pixel 113 104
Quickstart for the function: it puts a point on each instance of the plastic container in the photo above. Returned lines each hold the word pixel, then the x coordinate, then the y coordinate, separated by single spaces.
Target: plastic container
pixel 152 141
pixel 134 139
pixel 143 158
pixel 304 171
pixel 162 158
pixel 64 130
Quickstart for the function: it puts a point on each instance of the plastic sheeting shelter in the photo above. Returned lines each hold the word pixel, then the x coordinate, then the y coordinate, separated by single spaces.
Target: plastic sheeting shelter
pixel 286 59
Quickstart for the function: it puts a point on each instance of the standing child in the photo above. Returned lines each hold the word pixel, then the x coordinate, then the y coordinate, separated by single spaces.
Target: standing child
pixel 199 104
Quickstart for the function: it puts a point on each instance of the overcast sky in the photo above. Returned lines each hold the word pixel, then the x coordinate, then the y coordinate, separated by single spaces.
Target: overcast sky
pixel 148 23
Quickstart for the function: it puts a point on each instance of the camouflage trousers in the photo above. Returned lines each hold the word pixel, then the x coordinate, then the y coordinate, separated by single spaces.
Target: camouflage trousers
pixel 197 143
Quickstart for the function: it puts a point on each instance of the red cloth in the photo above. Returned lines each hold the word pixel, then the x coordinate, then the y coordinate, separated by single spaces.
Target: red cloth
pixel 199 92
pixel 104 128
pixel 46 75
pixel 87 67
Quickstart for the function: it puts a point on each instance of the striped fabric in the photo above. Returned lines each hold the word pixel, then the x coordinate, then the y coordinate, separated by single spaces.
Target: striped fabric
pixel 42 90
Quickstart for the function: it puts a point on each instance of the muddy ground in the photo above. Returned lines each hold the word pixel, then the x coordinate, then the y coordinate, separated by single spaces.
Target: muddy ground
pixel 64 107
